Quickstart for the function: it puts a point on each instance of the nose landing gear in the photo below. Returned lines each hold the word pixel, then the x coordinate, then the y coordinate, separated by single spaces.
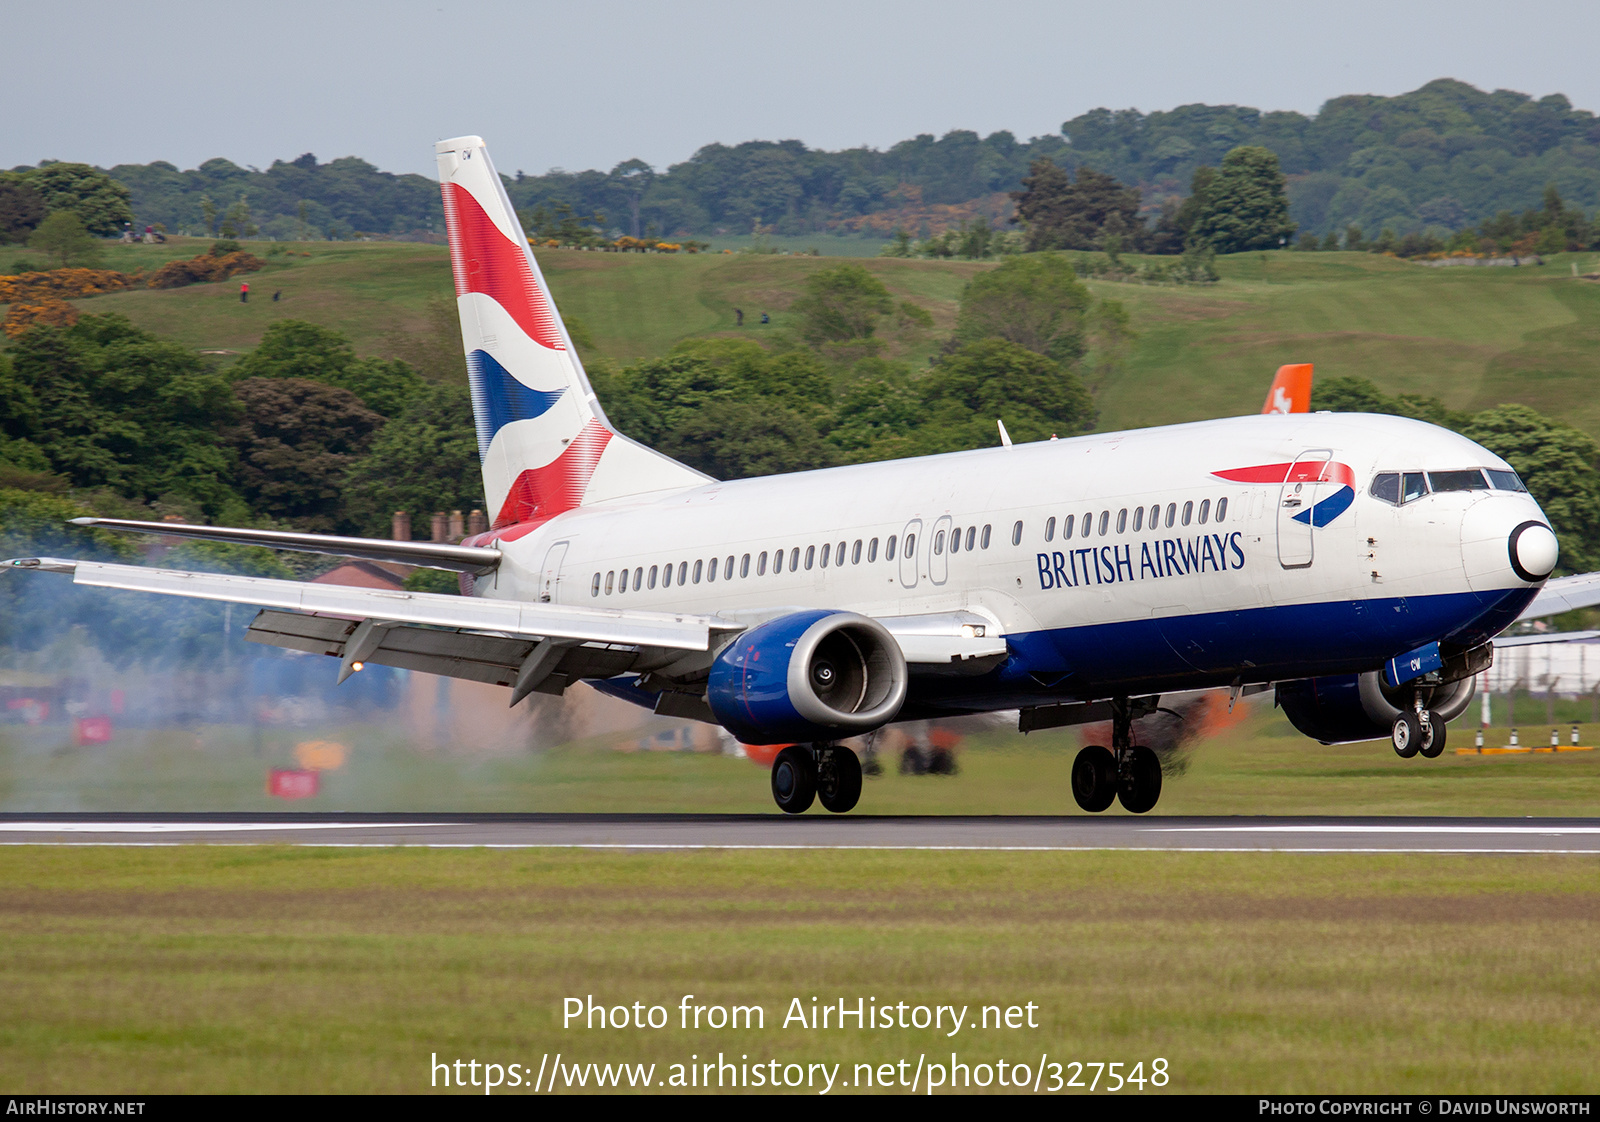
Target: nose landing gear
pixel 1127 772
pixel 1417 730
pixel 828 772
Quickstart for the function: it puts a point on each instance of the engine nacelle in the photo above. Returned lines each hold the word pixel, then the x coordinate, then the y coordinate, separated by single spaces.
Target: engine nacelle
pixel 808 676
pixel 1343 708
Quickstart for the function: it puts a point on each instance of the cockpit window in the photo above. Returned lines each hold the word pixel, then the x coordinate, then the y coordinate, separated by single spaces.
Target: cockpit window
pixel 1412 486
pixel 1386 486
pixel 1457 480
pixel 1505 480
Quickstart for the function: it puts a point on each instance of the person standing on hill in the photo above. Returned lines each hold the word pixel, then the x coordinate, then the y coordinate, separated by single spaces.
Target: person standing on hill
pixel 738 317
pixel 244 292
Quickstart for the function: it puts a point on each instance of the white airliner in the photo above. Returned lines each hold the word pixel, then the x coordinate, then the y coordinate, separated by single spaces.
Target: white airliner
pixel 1360 565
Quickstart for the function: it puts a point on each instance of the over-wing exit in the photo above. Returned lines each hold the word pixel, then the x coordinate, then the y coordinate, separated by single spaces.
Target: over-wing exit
pixel 1361 566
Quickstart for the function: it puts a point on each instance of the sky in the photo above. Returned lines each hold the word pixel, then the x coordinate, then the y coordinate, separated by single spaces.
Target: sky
pixel 588 85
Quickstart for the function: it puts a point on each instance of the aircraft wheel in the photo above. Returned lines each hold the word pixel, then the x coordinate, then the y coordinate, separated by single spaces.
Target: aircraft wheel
pixel 1094 779
pixel 1141 781
pixel 1406 736
pixel 839 780
pixel 1432 738
pixel 794 779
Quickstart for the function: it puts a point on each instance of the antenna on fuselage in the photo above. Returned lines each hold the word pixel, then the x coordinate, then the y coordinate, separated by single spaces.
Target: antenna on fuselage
pixel 1005 437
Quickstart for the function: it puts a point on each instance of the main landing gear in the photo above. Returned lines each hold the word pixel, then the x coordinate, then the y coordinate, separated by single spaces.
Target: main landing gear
pixel 1417 730
pixel 829 772
pixel 1126 772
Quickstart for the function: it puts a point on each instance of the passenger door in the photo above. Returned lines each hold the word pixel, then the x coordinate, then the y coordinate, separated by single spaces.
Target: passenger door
pixel 910 542
pixel 1298 495
pixel 550 581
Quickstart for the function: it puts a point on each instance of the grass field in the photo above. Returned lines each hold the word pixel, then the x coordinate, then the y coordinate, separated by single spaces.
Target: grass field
pixel 259 969
pixel 1261 766
pixel 1474 337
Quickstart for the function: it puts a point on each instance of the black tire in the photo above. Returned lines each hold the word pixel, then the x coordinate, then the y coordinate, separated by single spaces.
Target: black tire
pixel 1406 735
pixel 794 779
pixel 1433 739
pixel 1140 788
pixel 1094 779
pixel 839 780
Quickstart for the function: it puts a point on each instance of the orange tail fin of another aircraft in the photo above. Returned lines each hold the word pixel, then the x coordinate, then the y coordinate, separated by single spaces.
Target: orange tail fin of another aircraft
pixel 1291 390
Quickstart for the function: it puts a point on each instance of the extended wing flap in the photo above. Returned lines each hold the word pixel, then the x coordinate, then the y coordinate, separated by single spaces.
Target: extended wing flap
pixel 598 625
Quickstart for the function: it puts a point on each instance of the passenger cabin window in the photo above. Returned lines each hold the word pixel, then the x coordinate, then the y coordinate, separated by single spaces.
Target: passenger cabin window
pixel 971 530
pixel 872 551
pixel 683 572
pixel 594 587
pixel 855 553
pixel 777 561
pixel 811 556
pixel 666 576
pixel 1105 522
pixel 1205 510
pixel 1172 513
pixel 1155 516
pixel 955 540
pixel 911 545
pixel 697 568
pixel 1088 523
pixel 794 560
pixel 622 585
pixel 1138 519
pixel 1412 486
pixel 1505 480
pixel 1457 481
pixel 938 543
pixel 888 549
pixel 1188 512
pixel 1016 534
pixel 1049 529
pixel 653 570
pixel 727 566
pixel 838 553
pixel 827 548
pixel 986 530
pixel 1066 527
pixel 1222 509
pixel 711 569
pixel 761 564
pixel 1122 520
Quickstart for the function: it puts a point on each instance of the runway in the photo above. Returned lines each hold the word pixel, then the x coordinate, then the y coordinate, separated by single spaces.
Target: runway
pixel 779 832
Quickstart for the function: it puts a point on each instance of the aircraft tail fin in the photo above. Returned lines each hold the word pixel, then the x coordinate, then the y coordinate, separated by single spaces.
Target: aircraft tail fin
pixel 543 439
pixel 1291 390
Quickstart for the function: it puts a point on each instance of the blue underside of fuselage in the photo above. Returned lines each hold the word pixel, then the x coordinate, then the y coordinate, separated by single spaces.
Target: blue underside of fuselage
pixel 1187 652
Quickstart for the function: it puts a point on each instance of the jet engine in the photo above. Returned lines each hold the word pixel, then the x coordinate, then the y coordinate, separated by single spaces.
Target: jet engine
pixel 808 676
pixel 1343 708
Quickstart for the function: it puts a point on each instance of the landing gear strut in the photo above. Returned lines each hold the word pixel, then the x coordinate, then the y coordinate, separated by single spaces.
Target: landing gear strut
pixel 829 772
pixel 1127 772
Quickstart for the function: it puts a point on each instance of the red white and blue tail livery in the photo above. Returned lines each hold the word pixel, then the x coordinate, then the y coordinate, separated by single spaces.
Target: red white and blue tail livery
pixel 1359 566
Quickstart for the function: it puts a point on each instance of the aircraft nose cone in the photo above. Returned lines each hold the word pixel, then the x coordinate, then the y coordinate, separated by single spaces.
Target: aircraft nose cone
pixel 1534 551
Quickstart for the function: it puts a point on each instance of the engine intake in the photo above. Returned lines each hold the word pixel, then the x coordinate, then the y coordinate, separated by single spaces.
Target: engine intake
pixel 807 676
pixel 1344 708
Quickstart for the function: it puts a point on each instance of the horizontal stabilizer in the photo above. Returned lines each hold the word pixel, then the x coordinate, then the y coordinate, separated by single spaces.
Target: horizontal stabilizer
pixel 427 555
pixel 518 617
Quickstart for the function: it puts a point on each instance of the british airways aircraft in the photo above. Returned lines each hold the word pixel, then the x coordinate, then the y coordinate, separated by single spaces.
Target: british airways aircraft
pixel 1359 565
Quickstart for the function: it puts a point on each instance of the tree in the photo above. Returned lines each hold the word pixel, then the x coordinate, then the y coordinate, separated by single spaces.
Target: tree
pixel 22 208
pixel 1247 205
pixel 631 179
pixel 296 349
pixel 113 406
pixel 994 379
pixel 424 460
pixel 1035 301
pixel 100 202
pixel 1063 214
pixel 741 439
pixel 296 443
pixel 841 305
pixel 63 237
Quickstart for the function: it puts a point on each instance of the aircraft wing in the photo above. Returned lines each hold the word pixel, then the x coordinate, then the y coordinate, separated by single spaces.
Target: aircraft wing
pixel 1564 594
pixel 1535 638
pixel 673 630
pixel 428 555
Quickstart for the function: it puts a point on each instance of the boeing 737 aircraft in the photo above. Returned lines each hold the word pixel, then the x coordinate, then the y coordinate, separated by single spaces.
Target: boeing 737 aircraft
pixel 1359 565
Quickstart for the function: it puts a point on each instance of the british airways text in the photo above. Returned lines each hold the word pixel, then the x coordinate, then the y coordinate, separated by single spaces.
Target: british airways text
pixel 1168 557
